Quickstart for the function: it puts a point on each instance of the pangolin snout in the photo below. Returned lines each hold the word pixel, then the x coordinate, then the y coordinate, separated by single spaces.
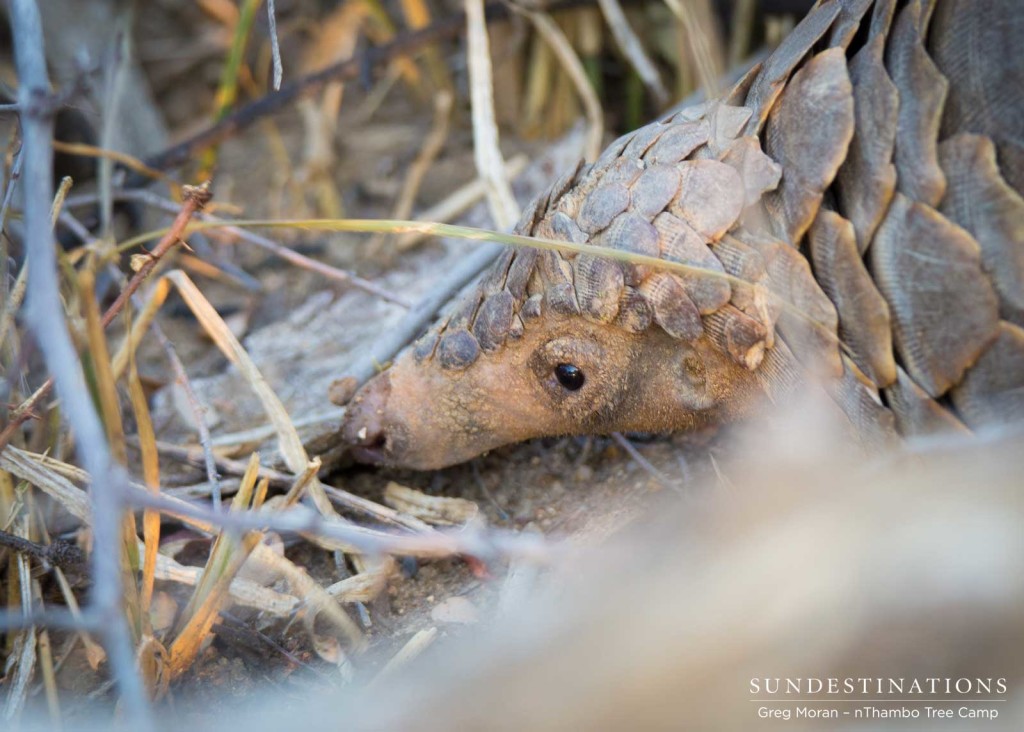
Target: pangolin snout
pixel 365 427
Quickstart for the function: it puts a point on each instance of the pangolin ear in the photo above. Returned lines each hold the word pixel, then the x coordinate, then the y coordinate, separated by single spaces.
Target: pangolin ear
pixel 693 384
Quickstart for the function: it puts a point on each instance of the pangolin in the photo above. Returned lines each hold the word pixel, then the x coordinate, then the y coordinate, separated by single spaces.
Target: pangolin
pixel 850 210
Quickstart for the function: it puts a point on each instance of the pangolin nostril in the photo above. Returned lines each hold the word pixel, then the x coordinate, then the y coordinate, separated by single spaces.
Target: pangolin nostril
pixel 365 423
pixel 369 436
pixel 376 441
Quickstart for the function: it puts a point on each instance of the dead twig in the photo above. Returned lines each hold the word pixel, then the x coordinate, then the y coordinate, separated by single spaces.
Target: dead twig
pixel 275 47
pixel 62 554
pixel 195 197
pixel 458 202
pixel 55 617
pixel 475 541
pixel 45 318
pixel 346 70
pixel 289 255
pixel 339 497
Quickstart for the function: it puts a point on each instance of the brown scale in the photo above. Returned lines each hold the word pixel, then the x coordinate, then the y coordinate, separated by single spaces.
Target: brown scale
pixel 864 322
pixel 642 141
pixel 519 273
pixel 494 321
pixel 625 170
pixel 672 307
pixel 992 390
pixel 680 243
pixel 726 123
pixel 601 206
pixel 742 262
pixel 848 22
pixel 922 89
pixel 598 283
pixel 564 184
pixel 635 314
pixel 710 198
pixel 810 155
pixel 943 306
pixel 678 142
pixel 457 349
pixel 629 232
pixel 969 41
pixel 532 213
pixel 808 318
pixel 773 75
pixel 916 413
pixel 739 335
pixel 654 190
pixel 758 172
pixel 564 228
pixel 873 425
pixel 978 199
pixel 867 179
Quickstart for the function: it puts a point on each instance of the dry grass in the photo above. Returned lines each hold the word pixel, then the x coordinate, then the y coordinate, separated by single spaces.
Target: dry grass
pixel 107 488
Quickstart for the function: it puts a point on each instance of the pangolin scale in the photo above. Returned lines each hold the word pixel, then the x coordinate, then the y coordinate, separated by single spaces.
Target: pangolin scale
pixel 856 202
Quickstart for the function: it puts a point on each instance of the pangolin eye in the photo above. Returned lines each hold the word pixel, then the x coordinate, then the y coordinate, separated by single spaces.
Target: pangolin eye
pixel 569 376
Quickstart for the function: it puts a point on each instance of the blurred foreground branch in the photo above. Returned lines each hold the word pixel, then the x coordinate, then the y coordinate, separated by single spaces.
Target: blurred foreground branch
pixel 44 316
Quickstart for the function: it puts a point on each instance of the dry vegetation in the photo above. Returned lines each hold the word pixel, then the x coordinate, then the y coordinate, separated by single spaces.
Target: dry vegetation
pixel 175 520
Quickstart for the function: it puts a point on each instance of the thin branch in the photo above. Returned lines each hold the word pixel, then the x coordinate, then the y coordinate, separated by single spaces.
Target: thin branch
pixel 339 497
pixel 115 75
pixel 275 46
pixel 11 184
pixel 346 70
pixel 289 255
pixel 45 318
pixel 195 197
pixel 60 553
pixel 459 201
pixel 471 540
pixel 55 617
pixel 4 207
pixel 707 65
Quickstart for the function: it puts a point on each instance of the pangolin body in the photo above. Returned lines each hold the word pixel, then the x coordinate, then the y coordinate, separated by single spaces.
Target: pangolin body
pixel 851 207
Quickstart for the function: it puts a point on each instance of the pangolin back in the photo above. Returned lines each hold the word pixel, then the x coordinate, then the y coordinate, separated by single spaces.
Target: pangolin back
pixel 861 188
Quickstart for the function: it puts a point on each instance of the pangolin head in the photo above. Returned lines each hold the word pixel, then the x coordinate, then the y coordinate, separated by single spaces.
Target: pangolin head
pixel 554 344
